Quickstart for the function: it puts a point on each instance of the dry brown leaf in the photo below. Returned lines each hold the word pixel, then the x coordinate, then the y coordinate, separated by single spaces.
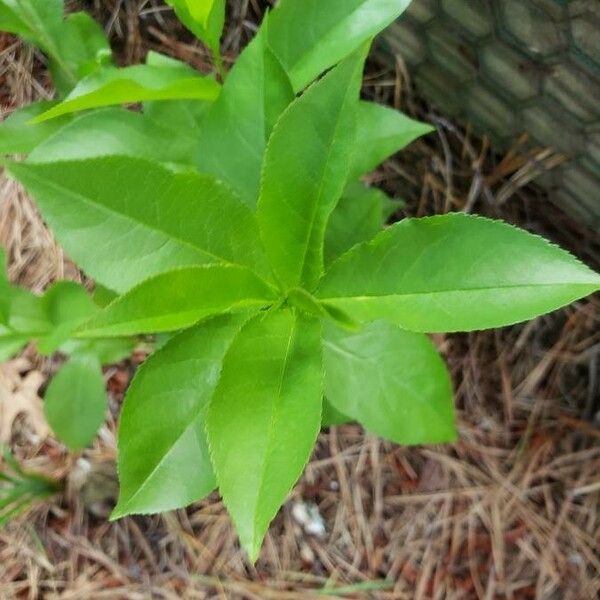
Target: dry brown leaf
pixel 19 396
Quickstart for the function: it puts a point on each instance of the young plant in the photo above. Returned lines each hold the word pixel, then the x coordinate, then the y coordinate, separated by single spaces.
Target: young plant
pixel 19 489
pixel 75 402
pixel 266 254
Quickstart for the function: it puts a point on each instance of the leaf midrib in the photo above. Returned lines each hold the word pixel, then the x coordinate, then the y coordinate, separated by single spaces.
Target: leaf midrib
pixel 241 304
pixel 318 203
pixel 366 297
pixel 273 420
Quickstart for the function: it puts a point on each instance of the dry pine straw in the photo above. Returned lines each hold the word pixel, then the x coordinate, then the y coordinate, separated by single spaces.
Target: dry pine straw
pixel 509 511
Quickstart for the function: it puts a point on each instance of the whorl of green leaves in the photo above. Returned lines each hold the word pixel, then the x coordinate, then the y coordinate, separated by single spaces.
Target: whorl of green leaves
pixel 232 217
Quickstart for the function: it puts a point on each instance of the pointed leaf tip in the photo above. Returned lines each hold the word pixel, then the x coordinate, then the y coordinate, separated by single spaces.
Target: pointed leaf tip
pixel 262 430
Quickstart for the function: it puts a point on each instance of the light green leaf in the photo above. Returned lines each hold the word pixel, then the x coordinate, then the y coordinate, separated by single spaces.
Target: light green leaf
pixel 82 49
pixel 138 83
pixel 455 273
pixel 124 220
pixel 204 18
pixel 392 381
pixel 305 171
pixel 262 429
pixel 163 455
pixel 19 136
pixel 381 132
pixel 235 132
pixel 75 402
pixel 309 36
pixel 358 217
pixel 114 132
pixel 181 298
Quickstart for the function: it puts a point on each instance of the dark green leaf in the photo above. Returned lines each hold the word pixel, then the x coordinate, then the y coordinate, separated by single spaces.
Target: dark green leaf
pixel 392 381
pixel 237 127
pixel 305 172
pixel 455 273
pixel 262 429
pixel 75 402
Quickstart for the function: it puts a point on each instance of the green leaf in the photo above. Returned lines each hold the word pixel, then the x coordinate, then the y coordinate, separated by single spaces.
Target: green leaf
pixel 75 402
pixel 305 171
pixel 37 21
pixel 204 18
pixel 309 36
pixel 235 132
pixel 181 298
pixel 28 314
pixel 262 429
pixel 114 132
pixel 82 48
pixel 5 289
pixel 124 220
pixel 358 217
pixel 19 136
pixel 381 132
pixel 50 318
pixel 164 462
pixel 138 83
pixel 183 118
pixel 103 296
pixel 332 416
pixel 392 381
pixel 67 306
pixel 108 351
pixel 10 343
pixel 455 273
pixel 75 45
